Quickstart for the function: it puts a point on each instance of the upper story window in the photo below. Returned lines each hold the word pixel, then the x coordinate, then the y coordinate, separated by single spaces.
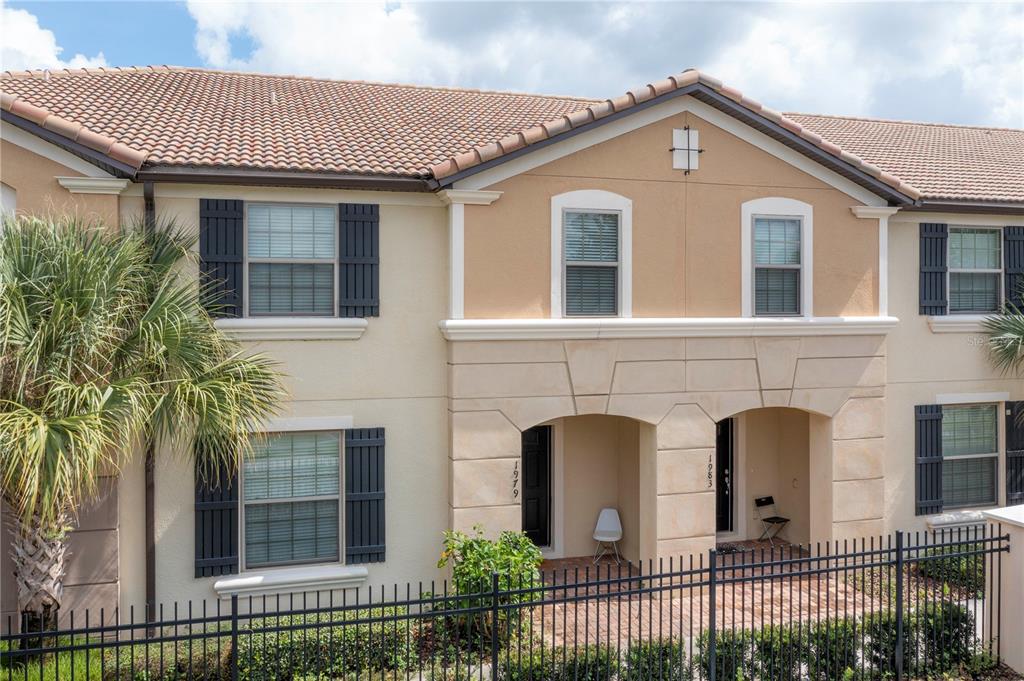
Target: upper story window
pixel 291 491
pixel 591 254
pixel 777 265
pixel 975 269
pixel 776 257
pixel 591 263
pixel 970 455
pixel 291 253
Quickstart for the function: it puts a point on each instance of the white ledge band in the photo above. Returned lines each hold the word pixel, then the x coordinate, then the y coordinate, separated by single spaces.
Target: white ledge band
pixel 684 327
pixel 293 328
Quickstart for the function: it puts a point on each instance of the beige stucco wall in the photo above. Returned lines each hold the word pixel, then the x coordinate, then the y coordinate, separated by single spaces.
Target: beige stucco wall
pixel 676 389
pixel 686 228
pixel 394 376
pixel 774 456
pixel 34 178
pixel 924 364
pixel 600 469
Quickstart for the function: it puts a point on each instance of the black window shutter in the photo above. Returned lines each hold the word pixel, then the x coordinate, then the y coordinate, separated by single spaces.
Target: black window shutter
pixel 359 260
pixel 1013 265
pixel 220 255
pixel 364 495
pixel 928 458
pixel 216 525
pixel 932 286
pixel 1014 453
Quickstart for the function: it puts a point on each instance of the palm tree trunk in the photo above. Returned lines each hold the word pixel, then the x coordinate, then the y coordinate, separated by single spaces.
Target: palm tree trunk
pixel 40 554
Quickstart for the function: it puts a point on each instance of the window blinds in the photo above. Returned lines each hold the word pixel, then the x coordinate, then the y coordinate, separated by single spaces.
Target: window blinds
pixel 591 263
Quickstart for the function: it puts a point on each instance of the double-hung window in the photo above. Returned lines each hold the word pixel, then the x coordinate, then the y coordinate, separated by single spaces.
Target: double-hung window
pixel 970 455
pixel 592 263
pixel 975 270
pixel 291 253
pixel 777 266
pixel 290 489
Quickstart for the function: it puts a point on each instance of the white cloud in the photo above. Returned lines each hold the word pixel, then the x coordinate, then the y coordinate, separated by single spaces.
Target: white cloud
pixel 955 62
pixel 27 45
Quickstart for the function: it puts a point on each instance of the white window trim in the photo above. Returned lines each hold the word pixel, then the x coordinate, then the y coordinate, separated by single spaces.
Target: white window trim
pixel 292 328
pixel 999 272
pixel 246 298
pixel 597 200
pixel 777 206
pixel 286 580
pixel 978 399
pixel 294 425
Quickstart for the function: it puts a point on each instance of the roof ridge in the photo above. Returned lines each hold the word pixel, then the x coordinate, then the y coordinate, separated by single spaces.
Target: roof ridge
pixel 484 153
pixel 902 121
pixel 116 70
pixel 76 132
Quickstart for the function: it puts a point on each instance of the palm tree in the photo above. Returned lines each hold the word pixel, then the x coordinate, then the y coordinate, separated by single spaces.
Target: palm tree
pixel 105 350
pixel 1005 332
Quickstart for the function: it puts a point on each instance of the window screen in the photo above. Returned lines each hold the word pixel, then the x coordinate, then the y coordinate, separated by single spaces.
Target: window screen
pixel 970 451
pixel 777 266
pixel 591 263
pixel 291 492
pixel 291 259
pixel 975 269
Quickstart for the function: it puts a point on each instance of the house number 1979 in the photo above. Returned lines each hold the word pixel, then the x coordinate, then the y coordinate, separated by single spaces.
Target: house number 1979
pixel 515 480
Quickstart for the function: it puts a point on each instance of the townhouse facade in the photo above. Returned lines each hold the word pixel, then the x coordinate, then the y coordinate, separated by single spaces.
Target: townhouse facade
pixel 512 311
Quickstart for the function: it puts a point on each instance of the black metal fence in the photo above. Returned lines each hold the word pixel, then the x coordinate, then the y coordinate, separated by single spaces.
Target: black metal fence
pixel 900 606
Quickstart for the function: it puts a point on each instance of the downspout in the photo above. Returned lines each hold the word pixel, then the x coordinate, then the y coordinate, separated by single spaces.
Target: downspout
pixel 149 217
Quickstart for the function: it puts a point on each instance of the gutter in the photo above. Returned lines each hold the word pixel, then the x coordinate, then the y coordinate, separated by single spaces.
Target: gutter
pixel 950 206
pixel 282 178
pixel 98 159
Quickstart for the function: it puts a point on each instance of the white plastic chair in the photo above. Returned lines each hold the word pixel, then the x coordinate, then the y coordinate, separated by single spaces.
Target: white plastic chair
pixel 607 534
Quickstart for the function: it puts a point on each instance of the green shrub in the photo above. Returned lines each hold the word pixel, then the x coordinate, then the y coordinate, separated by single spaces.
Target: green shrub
pixel 733 658
pixel 778 652
pixel 474 560
pixel 170 662
pixel 947 636
pixel 880 641
pixel 584 663
pixel 661 660
pixel 830 648
pixel 333 650
pixel 964 572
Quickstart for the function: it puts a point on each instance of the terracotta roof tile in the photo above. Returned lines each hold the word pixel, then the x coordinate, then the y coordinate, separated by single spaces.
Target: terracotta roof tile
pixel 194 117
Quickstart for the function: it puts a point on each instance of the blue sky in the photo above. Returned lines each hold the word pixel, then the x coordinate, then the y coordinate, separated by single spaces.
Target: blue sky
pixel 948 62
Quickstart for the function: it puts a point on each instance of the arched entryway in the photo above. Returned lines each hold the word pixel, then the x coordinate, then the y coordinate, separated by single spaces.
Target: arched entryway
pixel 573 467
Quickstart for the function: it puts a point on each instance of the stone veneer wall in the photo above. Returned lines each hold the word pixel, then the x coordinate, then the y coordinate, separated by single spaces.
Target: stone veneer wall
pixel 682 387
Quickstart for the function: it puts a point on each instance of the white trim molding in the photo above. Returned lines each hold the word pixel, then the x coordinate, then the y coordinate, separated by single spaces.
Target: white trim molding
pixel 456 200
pixel 667 327
pixel 37 145
pixel 293 328
pixel 777 206
pixel 593 199
pixel 291 580
pixel 639 119
pixel 303 424
pixel 93 185
pixel 956 323
pixel 971 398
pixel 882 214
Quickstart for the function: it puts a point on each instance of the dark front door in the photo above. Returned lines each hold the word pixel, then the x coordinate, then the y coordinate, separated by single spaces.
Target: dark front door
pixel 537 484
pixel 724 476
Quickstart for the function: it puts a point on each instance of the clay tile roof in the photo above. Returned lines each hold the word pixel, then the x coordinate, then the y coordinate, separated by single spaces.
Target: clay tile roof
pixel 202 118
pixel 944 162
pixel 188 117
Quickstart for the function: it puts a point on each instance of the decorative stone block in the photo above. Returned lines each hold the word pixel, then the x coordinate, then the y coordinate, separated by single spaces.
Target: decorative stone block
pixel 720 348
pixel 647 408
pixel 591 365
pixel 591 404
pixel 509 380
pixel 485 482
pixel 484 435
pixel 842 346
pixel 720 405
pixel 637 349
pixel 838 372
pixel 505 352
pixel 858 500
pixel 682 471
pixel 776 361
pixel 650 377
pixel 686 515
pixel 493 519
pixel 776 398
pixel 861 417
pixel 858 459
pixel 686 426
pixel 721 374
